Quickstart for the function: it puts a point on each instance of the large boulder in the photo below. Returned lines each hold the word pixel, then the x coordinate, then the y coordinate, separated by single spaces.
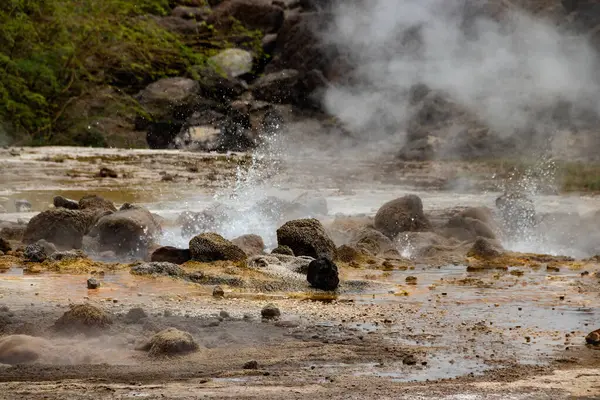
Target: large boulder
pixel 401 215
pixel 323 274
pixel 126 232
pixel 252 14
pixel 65 228
pixel 208 247
pixel 306 237
pixel 472 223
pixel 251 244
pixel 167 104
pixel 277 87
pixel 171 254
pixel 232 62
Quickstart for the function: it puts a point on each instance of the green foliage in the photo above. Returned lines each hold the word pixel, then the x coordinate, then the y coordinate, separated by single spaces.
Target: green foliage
pixel 53 52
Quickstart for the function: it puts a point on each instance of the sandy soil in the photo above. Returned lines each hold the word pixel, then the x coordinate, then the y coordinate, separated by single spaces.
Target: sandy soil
pixel 453 335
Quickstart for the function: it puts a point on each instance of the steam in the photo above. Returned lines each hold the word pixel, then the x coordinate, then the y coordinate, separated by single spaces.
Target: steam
pixel 505 70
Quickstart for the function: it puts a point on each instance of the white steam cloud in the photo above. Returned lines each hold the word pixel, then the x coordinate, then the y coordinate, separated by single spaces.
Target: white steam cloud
pixel 504 68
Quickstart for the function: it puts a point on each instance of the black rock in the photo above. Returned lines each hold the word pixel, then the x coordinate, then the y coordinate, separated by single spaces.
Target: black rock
pixel 171 254
pixel 63 202
pixel 5 246
pixel 323 274
pixel 218 291
pixel 270 312
pixel 251 365
pixel 135 315
pixel 35 253
pixel 93 283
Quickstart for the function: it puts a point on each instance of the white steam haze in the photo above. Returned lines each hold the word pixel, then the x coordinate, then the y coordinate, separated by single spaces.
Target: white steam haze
pixel 500 70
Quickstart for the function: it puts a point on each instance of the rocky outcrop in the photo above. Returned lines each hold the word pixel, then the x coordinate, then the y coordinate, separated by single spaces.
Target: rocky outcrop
pixel 401 215
pixel 209 247
pixel 251 244
pixel 128 231
pixel 306 237
pixel 252 14
pixel 65 228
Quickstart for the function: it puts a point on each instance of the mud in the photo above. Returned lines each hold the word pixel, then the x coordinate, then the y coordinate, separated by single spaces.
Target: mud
pixel 454 333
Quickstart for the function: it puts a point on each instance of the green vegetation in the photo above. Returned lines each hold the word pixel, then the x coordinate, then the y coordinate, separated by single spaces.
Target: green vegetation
pixel 56 56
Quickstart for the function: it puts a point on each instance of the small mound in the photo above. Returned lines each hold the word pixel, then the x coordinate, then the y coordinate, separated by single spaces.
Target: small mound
pixel 170 342
pixel 21 349
pixel 83 317
pixel 485 249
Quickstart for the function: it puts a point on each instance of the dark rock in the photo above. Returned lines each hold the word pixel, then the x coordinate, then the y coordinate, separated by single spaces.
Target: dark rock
pixel 171 254
pixel 135 315
pixel 277 87
pixel 251 365
pixel 208 247
pixel 250 244
pixel 157 269
pixel 4 245
pixel 218 292
pixel 126 232
pixel 253 14
pixel 65 228
pixel 270 312
pixel 35 253
pixel 283 250
pixel 216 86
pixel 306 237
pixel 23 205
pixel 93 283
pixel 107 173
pixel 400 215
pixel 409 360
pixel 323 274
pixel 63 202
pixel 95 202
pixel 170 342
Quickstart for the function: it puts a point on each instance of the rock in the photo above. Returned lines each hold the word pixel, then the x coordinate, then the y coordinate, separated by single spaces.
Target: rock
pixel 171 254
pixel 346 253
pixel 5 246
pixel 218 292
pixel 126 232
pixel 21 349
pixel 270 312
pixel 83 318
pixel 250 244
pixel 194 13
pixel 306 237
pixel 63 202
pixel 95 202
pixel 67 255
pixel 277 87
pixel 298 265
pixel 157 269
pixel 208 247
pixel 472 223
pixel 35 253
pixel 253 14
pixel 93 283
pixel 323 274
pixel 251 365
pixel 232 62
pixel 400 215
pixel 485 248
pixel 65 228
pixel 135 315
pixel 283 250
pixel 170 342
pixel 593 338
pixel 23 205
pixel 107 173
pixel 12 230
pixel 371 241
pixel 216 86
pixel 168 103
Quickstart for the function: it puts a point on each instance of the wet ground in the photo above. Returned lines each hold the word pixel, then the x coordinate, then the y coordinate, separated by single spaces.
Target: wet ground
pixel 452 334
